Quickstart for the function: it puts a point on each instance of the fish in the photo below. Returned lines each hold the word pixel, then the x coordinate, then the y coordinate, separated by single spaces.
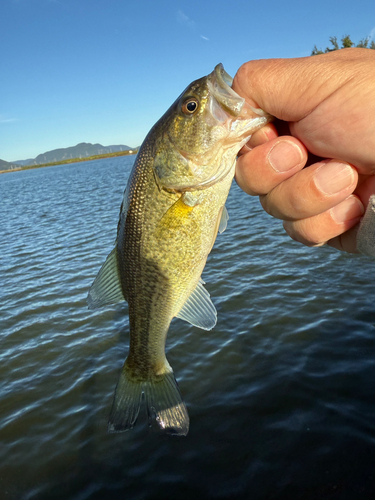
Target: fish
pixel 172 210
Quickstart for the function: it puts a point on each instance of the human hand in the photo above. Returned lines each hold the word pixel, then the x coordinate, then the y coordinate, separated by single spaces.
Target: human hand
pixel 325 118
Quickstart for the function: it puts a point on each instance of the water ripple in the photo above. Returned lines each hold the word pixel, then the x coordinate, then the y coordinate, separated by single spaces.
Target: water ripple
pixel 281 388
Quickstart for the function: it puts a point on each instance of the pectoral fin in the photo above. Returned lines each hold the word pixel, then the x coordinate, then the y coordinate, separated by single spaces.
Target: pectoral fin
pixel 177 215
pixel 223 220
pixel 198 309
pixel 106 288
pixel 221 224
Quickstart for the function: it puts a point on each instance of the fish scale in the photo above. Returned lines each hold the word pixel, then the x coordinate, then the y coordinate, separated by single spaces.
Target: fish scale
pixel 172 210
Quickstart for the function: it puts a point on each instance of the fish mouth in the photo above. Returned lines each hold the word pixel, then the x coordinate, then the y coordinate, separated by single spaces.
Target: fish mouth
pixel 228 110
pixel 219 83
pixel 229 121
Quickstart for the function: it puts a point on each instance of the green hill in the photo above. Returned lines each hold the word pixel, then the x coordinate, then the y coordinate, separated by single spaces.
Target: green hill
pixel 82 150
pixel 6 165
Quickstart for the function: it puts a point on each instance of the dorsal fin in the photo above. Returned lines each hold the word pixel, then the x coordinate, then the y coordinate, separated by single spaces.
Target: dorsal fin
pixel 106 288
pixel 123 212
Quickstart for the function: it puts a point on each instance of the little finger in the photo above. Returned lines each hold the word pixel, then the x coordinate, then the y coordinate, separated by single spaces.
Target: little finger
pixel 317 230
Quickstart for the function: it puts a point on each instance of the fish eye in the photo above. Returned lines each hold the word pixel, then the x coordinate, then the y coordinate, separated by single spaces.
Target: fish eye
pixel 189 106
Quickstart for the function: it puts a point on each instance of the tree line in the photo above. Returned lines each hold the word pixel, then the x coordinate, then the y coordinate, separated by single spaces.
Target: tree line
pixel 346 43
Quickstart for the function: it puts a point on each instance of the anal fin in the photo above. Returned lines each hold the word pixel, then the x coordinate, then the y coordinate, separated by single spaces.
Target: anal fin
pixel 198 309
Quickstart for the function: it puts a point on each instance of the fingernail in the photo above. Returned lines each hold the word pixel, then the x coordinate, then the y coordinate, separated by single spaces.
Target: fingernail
pixel 349 209
pixel 333 177
pixel 284 156
pixel 259 137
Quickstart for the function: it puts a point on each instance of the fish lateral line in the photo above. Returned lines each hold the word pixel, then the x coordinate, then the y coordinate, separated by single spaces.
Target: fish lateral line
pixel 172 210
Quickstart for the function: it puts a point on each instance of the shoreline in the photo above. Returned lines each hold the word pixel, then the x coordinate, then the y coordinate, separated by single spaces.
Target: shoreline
pixel 70 160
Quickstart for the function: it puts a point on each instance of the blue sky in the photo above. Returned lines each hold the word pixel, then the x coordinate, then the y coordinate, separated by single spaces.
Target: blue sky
pixel 105 70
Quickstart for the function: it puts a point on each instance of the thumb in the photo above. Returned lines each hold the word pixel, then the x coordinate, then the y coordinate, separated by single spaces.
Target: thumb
pixel 290 89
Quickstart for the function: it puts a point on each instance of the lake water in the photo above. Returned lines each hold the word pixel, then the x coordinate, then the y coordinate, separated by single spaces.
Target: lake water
pixel 280 394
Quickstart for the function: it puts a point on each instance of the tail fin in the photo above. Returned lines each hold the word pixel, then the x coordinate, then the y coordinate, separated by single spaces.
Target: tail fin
pixel 164 404
pixel 126 404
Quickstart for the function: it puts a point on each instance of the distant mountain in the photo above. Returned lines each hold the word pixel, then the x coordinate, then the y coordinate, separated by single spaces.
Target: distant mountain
pixel 22 163
pixel 82 150
pixel 6 165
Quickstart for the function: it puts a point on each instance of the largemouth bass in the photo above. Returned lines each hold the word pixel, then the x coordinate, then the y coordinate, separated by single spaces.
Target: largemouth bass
pixel 172 210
